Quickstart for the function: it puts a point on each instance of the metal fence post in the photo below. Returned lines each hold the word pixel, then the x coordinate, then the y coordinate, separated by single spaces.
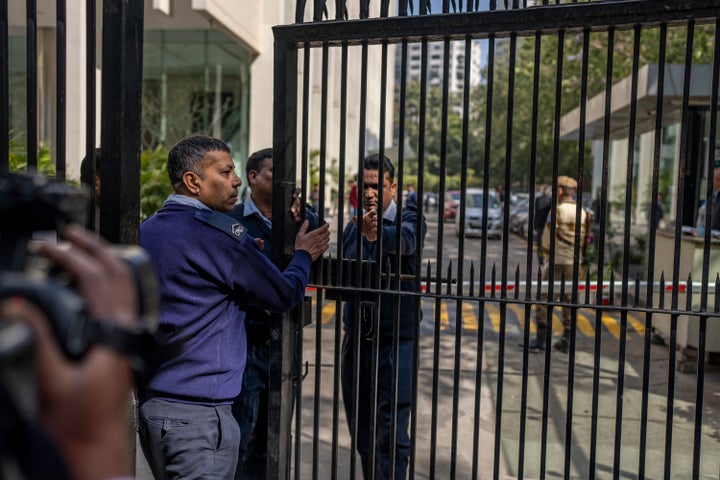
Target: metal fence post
pixel 281 333
pixel 121 119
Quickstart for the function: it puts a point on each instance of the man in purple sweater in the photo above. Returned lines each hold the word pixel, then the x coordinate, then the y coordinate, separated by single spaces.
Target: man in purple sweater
pixel 209 272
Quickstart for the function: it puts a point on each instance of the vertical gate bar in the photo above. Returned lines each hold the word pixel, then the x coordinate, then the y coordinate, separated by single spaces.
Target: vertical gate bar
pixel 529 254
pixel 323 135
pixel 435 380
pixel 355 381
pixel 444 143
pixel 318 325
pixel 299 321
pixel 342 160
pixel 285 154
pixel 420 169
pixel 460 256
pixel 676 256
pixel 441 226
pixel 384 8
pixel 601 252
pixel 304 155
pixel 359 279
pixel 683 161
pixel 504 261
pixel 626 249
pixel 299 11
pixel 356 330
pixel 551 257
pixel 487 150
pixel 318 10
pixel 90 104
pixel 121 119
pixel 372 279
pixel 400 169
pixel 438 269
pixel 375 279
pixel 700 387
pixel 31 84
pixel 361 149
pixel 402 105
pixel 339 271
pixel 61 46
pixel 403 8
pixel 418 258
pixel 4 89
pixel 651 253
pixel 576 247
pixel 512 54
pixel 439 256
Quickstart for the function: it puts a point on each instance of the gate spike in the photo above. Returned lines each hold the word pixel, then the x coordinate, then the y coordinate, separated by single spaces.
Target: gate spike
pixel 472 279
pixel 449 276
pixel 611 300
pixel 539 281
pixel 517 280
pixel 637 288
pixel 587 287
pixel 428 271
pixel 688 297
pixel 717 293
pixel 492 281
pixel 662 290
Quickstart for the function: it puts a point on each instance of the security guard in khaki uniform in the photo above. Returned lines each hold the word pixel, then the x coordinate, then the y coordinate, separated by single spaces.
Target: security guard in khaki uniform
pixel 564 219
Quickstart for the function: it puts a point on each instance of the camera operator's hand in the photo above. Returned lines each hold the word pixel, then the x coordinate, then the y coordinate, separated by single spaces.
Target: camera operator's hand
pixel 83 405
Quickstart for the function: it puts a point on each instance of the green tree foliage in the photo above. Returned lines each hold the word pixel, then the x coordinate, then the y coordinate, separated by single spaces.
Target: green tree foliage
pixel 570 53
pixel 154 181
pixel 18 157
pixel 549 108
pixel 433 148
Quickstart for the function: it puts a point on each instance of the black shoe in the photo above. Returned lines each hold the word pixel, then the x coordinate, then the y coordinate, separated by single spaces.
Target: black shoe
pixel 535 346
pixel 562 345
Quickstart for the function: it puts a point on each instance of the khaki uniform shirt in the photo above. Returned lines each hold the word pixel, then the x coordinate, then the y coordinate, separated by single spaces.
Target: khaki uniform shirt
pixel 565 233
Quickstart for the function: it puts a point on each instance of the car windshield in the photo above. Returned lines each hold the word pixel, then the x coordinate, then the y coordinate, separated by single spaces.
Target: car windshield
pixel 476 200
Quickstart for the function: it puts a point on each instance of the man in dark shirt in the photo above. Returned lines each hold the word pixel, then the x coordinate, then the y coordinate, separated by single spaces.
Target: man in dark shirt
pixel 251 406
pixel 411 231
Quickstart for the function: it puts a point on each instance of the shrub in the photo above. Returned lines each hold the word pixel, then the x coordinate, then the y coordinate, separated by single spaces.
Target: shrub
pixel 154 182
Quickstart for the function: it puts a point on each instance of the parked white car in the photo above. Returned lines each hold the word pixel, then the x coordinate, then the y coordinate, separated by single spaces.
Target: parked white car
pixel 474 214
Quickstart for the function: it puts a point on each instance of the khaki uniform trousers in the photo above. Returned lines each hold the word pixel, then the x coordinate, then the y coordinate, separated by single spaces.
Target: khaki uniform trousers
pixel 541 311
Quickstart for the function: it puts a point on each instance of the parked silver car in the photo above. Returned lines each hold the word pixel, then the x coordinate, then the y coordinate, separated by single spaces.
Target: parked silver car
pixel 474 214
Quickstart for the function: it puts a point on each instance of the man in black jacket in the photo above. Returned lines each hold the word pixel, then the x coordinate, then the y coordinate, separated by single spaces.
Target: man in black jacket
pixel 379 245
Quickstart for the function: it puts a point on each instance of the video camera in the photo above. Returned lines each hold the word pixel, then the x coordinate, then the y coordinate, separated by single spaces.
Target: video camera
pixel 30 205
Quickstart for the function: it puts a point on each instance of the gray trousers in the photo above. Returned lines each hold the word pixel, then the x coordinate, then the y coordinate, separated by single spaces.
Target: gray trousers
pixel 182 440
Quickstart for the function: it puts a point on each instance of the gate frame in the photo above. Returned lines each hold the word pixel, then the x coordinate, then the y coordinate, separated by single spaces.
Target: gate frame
pixel 289 39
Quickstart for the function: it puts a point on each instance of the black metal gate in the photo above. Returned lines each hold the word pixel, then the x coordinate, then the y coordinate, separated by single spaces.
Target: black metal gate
pixel 120 95
pixel 620 95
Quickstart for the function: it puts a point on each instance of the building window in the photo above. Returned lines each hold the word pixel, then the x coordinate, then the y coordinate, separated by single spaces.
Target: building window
pixel 195 81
